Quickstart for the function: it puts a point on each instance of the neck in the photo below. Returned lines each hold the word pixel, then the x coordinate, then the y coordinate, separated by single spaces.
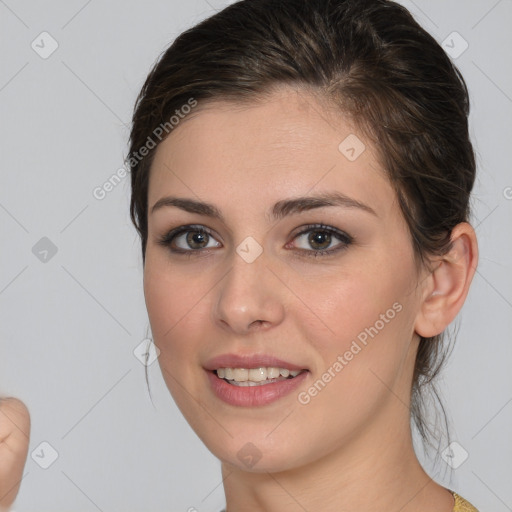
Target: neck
pixel 376 472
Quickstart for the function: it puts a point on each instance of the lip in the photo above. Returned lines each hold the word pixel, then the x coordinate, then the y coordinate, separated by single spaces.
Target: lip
pixel 249 361
pixel 253 396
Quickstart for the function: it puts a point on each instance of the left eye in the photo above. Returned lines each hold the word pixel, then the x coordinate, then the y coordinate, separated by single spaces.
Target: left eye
pixel 320 238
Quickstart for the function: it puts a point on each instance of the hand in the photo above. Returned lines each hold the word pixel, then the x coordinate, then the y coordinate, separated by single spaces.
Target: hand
pixel 14 439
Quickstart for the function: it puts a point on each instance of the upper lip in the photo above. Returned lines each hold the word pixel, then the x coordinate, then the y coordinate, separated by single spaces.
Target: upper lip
pixel 249 361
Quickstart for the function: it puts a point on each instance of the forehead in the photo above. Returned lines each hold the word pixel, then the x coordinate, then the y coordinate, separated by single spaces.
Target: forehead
pixel 287 144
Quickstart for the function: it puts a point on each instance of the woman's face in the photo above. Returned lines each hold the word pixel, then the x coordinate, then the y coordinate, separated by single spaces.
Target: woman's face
pixel 253 290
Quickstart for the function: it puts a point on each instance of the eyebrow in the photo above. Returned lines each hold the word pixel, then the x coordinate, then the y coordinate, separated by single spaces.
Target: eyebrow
pixel 280 209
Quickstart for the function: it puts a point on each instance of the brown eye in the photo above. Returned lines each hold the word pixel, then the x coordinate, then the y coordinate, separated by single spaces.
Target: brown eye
pixel 188 239
pixel 319 239
pixel 196 239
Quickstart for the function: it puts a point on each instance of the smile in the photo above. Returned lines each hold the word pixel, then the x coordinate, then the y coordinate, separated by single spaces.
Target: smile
pixel 249 393
pixel 255 376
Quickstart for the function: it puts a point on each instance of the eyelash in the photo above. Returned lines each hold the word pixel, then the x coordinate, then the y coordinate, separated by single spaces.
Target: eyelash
pixel 167 239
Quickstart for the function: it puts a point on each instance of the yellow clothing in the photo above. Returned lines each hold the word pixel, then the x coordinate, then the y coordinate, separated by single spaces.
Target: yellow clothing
pixel 461 505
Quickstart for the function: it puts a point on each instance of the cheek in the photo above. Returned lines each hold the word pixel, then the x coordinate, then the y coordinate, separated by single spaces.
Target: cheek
pixel 171 297
pixel 369 313
pixel 160 294
pixel 174 307
pixel 167 304
pixel 363 360
pixel 178 304
pixel 349 304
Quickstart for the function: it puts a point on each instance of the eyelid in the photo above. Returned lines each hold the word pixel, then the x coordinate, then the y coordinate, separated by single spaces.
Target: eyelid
pixel 322 227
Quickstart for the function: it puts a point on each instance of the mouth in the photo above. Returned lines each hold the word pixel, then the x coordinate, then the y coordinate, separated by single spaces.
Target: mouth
pixel 254 387
pixel 250 380
pixel 250 377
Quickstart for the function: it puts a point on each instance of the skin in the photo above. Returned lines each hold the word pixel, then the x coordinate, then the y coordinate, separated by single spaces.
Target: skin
pixel 14 440
pixel 350 447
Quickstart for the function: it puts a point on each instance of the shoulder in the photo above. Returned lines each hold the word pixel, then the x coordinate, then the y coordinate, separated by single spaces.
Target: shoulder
pixel 461 505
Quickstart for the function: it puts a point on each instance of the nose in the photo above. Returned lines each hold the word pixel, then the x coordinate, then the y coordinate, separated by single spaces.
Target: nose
pixel 249 297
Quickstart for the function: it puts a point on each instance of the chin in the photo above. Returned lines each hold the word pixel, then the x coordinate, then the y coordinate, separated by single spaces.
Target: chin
pixel 259 456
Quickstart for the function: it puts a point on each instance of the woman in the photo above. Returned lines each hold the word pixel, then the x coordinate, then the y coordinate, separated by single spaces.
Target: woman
pixel 301 174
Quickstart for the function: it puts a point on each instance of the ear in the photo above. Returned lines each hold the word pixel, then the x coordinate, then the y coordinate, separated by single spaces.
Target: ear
pixel 446 287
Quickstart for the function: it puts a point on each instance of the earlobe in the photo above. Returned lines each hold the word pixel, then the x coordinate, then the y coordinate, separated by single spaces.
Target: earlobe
pixel 448 284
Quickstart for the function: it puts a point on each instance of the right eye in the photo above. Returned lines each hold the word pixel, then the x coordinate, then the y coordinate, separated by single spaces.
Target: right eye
pixel 187 239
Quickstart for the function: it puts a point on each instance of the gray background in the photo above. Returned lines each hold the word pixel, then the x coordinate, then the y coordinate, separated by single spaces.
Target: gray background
pixel 69 325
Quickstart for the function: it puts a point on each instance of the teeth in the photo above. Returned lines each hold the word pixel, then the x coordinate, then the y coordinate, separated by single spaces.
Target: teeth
pixel 257 374
pixel 244 375
pixel 273 373
pixel 241 374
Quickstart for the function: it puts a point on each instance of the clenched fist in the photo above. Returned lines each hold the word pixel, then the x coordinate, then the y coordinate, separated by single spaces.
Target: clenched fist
pixel 14 438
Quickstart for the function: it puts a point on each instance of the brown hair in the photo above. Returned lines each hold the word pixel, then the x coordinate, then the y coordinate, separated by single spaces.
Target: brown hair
pixel 373 61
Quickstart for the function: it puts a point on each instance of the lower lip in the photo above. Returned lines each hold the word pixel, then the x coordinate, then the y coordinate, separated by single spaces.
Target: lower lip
pixel 251 396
